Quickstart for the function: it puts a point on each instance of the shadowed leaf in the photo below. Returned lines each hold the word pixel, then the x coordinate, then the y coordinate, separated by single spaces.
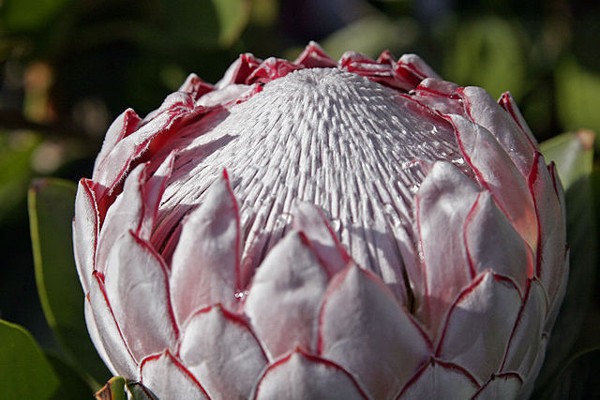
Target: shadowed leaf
pixel 51 208
pixel 19 15
pixel 209 24
pixel 72 383
pixel 24 371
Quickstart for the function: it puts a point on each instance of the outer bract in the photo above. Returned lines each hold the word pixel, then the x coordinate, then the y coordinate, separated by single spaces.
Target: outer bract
pixel 321 229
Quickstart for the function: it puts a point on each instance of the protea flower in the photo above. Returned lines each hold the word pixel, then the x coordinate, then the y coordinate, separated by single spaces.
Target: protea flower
pixel 322 229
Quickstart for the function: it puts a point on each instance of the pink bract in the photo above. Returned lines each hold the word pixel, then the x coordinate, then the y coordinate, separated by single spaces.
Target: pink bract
pixel 322 229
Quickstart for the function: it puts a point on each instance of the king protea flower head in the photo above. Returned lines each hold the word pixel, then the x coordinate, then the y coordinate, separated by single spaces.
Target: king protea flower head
pixel 322 229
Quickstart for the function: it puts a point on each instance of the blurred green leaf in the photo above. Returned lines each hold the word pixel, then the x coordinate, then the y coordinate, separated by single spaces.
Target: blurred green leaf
pixel 114 389
pixel 233 16
pixel 488 52
pixel 24 371
pixel 573 155
pixel 16 149
pixel 28 15
pixel 72 384
pixel 577 96
pixel 371 35
pixel 208 23
pixel 265 12
pixel 117 388
pixel 51 208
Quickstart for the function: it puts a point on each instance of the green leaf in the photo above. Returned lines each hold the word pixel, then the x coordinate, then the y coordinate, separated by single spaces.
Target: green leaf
pixel 114 389
pixel 51 208
pixel 27 15
pixel 265 12
pixel 370 35
pixel 233 16
pixel 488 52
pixel 573 154
pixel 577 95
pixel 117 388
pixel 16 149
pixel 72 384
pixel 210 24
pixel 24 371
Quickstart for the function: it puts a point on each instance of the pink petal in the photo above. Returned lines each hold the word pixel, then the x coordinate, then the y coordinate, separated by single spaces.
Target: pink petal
pixel 313 56
pixel 507 102
pixel 389 248
pixel 122 126
pixel 135 209
pixel 92 328
pixel 270 69
pixel 386 57
pixel 365 330
pixel 176 108
pixel 480 324
pixel 526 339
pixel 311 220
pixel 151 193
pixel 195 86
pixel 551 248
pixel 116 351
pixel 227 96
pixel 136 287
pixel 528 386
pixel 484 111
pixel 205 265
pixel 500 387
pixel 496 171
pixel 492 242
pixel 85 232
pixel 124 215
pixel 301 376
pixel 221 351
pixel 555 306
pixel 440 380
pixel 444 199
pixel 382 73
pixel 284 298
pixel 352 61
pixel 360 64
pixel 560 289
pixel 438 95
pixel 411 69
pixel 168 379
pixel 239 71
pixel 399 241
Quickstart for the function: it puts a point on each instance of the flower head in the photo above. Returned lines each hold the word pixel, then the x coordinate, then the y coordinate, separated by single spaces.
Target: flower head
pixel 303 228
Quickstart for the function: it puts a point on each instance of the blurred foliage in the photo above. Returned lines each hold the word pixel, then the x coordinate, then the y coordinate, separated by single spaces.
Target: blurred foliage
pixel 499 47
pixel 67 68
pixel 19 352
pixel 51 210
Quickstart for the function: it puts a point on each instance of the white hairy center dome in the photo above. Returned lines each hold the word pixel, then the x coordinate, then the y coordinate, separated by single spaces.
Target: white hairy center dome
pixel 353 147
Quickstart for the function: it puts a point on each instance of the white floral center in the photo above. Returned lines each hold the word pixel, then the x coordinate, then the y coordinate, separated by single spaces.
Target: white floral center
pixel 353 147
